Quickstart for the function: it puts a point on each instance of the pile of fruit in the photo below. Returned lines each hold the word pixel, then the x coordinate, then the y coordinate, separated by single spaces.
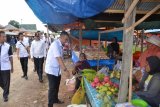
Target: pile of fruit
pixel 115 74
pixel 107 90
pixel 89 74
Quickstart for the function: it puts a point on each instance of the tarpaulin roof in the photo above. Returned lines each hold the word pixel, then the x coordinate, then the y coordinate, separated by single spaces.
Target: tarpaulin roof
pixel 67 11
pixel 93 35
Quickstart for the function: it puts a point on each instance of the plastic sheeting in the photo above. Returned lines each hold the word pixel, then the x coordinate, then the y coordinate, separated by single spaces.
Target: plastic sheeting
pixel 93 35
pixel 67 11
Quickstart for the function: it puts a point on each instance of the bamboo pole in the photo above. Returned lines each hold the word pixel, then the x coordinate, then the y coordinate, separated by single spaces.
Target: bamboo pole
pixel 130 81
pixel 142 35
pixel 129 11
pixel 143 18
pixel 99 38
pixel 80 39
pixel 113 30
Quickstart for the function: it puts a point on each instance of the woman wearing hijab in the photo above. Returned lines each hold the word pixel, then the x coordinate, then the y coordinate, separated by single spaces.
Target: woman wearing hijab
pixel 152 91
pixel 80 65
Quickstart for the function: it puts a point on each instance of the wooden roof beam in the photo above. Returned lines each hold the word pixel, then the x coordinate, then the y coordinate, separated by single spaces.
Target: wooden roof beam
pixel 122 11
pixel 143 18
pixel 129 11
pixel 112 30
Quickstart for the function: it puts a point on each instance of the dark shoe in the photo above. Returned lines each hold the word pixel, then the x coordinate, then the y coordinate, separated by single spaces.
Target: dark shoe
pixel 59 102
pixel 50 105
pixel 41 81
pixel 34 70
pixel 26 77
pixel 23 76
pixel 5 99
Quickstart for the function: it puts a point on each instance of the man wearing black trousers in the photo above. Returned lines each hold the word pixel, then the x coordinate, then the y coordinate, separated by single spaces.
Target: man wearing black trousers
pixel 22 54
pixel 6 65
pixel 54 66
pixel 38 54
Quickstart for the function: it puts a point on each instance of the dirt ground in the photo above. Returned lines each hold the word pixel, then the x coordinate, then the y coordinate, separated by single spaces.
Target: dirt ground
pixel 31 93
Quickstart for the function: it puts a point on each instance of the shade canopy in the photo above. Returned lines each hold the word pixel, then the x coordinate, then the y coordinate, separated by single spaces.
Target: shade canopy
pixel 67 11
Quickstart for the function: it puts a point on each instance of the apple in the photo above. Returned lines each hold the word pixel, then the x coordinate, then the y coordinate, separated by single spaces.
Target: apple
pixel 103 83
pixel 99 84
pixel 96 80
pixel 110 83
pixel 106 79
pixel 93 84
pixel 116 85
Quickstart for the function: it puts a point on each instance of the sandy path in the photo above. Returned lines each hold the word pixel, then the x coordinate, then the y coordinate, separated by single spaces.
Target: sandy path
pixel 31 93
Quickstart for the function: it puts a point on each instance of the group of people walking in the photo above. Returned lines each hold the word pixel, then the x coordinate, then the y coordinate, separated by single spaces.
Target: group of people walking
pixel 39 51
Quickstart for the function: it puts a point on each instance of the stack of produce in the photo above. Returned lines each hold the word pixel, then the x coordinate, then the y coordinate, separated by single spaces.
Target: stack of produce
pixel 107 90
pixel 89 74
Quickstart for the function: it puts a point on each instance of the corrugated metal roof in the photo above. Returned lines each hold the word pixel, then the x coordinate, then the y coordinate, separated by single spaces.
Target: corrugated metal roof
pixel 143 5
pixel 29 26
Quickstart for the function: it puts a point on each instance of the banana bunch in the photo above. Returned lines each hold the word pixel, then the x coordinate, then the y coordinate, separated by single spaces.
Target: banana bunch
pixel 89 74
pixel 115 74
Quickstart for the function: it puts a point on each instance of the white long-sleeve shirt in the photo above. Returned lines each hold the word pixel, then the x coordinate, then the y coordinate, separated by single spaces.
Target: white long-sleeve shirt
pixel 38 49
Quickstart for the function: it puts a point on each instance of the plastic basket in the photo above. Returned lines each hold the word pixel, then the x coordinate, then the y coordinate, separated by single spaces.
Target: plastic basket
pixel 92 93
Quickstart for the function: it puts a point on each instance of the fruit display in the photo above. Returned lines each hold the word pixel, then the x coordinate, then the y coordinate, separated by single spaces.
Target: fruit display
pixel 107 90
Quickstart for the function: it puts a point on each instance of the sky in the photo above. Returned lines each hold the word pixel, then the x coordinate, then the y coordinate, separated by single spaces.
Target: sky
pixel 18 10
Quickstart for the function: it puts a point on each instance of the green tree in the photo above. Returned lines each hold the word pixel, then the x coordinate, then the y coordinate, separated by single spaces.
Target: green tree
pixel 14 23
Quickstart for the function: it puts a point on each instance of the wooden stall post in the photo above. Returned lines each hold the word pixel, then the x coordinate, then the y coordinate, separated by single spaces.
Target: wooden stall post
pixel 142 39
pixel 80 39
pixel 127 55
pixel 99 38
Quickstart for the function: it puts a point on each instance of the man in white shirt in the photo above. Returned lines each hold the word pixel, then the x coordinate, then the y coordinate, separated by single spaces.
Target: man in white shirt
pixel 47 41
pixel 26 39
pixel 6 65
pixel 54 66
pixel 38 54
pixel 23 54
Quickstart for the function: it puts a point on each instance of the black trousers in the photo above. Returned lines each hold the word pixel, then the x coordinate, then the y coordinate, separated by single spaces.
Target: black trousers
pixel 24 64
pixel 54 83
pixel 5 82
pixel 39 66
pixel 78 83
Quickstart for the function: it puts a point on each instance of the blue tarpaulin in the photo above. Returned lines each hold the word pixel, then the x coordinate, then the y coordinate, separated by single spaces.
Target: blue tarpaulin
pixel 67 11
pixel 103 62
pixel 93 35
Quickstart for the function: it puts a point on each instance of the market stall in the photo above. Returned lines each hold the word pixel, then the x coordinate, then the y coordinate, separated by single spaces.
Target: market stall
pixel 134 10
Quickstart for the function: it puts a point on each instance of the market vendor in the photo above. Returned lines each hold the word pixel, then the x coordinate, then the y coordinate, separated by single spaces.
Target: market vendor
pixel 80 65
pixel 113 48
pixel 151 90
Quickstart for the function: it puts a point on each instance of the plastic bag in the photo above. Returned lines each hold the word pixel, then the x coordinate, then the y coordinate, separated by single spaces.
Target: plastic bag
pixel 70 83
pixel 75 105
pixel 104 70
pixel 79 96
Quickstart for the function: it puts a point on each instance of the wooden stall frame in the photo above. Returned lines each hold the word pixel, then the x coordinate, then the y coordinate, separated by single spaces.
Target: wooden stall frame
pixel 129 11
pixel 144 17
pixel 122 99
